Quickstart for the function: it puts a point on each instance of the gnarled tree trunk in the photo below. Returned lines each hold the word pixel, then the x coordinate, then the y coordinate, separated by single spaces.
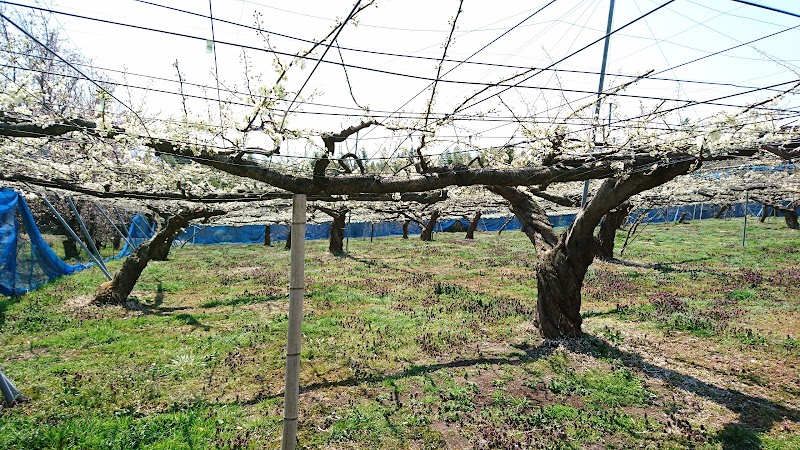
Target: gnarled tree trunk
pixel 405 228
pixel 764 213
pixel 119 288
pixel 336 245
pixel 791 219
pixel 611 222
pixel 267 236
pixel 473 225
pixel 70 248
pixel 427 230
pixel 562 261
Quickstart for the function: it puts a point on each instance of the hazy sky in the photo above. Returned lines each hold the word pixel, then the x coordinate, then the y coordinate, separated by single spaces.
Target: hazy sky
pixel 675 34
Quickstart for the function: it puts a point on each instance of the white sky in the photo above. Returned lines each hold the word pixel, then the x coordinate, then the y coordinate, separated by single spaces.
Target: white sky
pixel 680 32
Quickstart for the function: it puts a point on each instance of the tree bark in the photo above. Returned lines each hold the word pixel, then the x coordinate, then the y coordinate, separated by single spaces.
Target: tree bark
pixel 405 228
pixel 339 216
pixel 532 217
pixel 117 290
pixel 267 236
pixel 473 225
pixel 764 213
pixel 288 240
pixel 790 216
pixel 562 262
pixel 721 211
pixel 611 222
pixel 427 230
pixel 70 248
pixel 336 245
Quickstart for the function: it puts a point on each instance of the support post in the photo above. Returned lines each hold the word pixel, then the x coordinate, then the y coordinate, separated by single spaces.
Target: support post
pixel 75 236
pixel 744 228
pixel 9 392
pixel 296 292
pixel 124 221
pixel 599 92
pixel 125 238
pixel 83 228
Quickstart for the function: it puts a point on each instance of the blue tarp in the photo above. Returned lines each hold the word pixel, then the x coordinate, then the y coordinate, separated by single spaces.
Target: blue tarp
pixel 29 262
pixel 140 230
pixel 254 234
pixel 26 260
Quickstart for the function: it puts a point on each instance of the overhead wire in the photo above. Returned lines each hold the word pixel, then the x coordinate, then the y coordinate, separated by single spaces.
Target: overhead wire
pixel 37 41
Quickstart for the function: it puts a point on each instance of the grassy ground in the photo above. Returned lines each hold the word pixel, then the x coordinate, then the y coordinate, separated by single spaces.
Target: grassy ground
pixel 691 342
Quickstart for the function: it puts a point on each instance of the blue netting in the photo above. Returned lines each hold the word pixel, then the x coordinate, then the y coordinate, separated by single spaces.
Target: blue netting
pixel 26 260
pixel 140 230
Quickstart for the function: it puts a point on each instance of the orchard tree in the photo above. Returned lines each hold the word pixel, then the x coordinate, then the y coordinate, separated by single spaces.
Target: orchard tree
pixel 550 151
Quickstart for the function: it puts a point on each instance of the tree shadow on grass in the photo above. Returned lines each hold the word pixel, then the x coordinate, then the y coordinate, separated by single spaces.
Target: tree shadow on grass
pixel 380 264
pixel 667 268
pixel 757 415
pixel 5 302
pixel 156 308
pixel 414 370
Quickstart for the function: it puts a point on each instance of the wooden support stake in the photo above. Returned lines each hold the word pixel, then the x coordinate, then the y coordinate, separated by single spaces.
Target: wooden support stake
pixel 296 292
pixel 744 227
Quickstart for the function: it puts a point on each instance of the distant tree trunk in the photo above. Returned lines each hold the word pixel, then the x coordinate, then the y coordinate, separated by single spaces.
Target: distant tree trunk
pixel 288 240
pixel 609 225
pixel 790 215
pixel 764 213
pixel 70 248
pixel 721 211
pixel 473 225
pixel 683 217
pixel 116 242
pixel 267 236
pixel 405 228
pixel 336 246
pixel 119 288
pixel 371 231
pixel 427 230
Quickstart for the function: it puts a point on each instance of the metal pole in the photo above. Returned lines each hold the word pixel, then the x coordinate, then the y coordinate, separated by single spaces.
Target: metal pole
pixel 744 228
pixel 600 91
pixel 701 211
pixel 124 219
pixel 83 228
pixel 75 236
pixel 133 222
pixel 112 224
pixel 293 334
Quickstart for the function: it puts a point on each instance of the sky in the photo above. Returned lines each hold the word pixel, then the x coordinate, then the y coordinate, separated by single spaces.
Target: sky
pixel 509 37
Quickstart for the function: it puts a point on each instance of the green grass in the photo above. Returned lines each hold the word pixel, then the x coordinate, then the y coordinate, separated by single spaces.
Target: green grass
pixel 419 345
